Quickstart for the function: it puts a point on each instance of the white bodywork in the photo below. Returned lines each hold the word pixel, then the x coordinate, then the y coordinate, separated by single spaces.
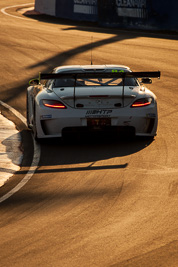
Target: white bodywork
pixel 92 107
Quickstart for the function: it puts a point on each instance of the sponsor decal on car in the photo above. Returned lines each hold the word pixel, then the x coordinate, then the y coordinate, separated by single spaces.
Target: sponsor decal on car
pixel 101 113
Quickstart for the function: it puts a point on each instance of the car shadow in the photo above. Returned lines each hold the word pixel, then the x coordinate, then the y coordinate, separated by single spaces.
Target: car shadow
pixel 82 154
pixel 89 149
pixel 74 150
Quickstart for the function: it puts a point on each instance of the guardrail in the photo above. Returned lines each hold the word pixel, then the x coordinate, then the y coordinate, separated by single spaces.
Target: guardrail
pixel 139 14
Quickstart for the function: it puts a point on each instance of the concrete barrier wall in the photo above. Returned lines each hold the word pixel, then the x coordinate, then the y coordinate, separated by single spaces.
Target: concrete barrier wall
pixel 85 10
pixel 140 14
pixel 46 6
pixel 165 14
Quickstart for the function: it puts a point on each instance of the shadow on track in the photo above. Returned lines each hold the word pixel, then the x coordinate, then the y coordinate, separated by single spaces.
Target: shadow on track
pixel 87 149
pixel 96 27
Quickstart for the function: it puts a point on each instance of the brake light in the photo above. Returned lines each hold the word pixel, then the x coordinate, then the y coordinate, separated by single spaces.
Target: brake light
pixel 54 104
pixel 143 102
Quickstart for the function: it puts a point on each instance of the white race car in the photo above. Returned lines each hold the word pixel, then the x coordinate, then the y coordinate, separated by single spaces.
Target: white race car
pixel 92 98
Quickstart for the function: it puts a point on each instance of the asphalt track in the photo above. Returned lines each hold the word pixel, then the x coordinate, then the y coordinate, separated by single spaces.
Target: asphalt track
pixel 100 201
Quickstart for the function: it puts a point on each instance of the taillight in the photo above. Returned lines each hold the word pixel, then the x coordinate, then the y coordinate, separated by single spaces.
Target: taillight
pixel 54 104
pixel 142 102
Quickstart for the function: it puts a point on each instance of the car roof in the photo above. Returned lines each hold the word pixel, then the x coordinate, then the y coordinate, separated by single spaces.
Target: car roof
pixel 86 68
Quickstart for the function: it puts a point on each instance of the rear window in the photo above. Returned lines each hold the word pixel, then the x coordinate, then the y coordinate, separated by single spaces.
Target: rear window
pixel 95 82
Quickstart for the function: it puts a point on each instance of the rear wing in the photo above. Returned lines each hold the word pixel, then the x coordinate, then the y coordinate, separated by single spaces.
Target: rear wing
pixel 113 74
pixel 97 74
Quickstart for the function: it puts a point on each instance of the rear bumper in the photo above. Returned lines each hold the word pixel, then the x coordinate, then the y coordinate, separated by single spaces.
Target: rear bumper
pixel 144 124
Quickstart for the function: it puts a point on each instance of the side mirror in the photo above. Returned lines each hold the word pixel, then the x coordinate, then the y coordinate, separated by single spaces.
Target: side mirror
pixel 34 81
pixel 146 80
